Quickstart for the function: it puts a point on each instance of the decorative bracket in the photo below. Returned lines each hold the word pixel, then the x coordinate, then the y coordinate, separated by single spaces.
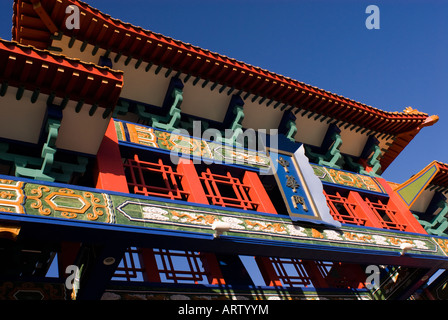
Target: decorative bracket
pixel 328 154
pixel 368 162
pixel 173 99
pixel 233 122
pixel 435 219
pixel 45 168
pixel 288 126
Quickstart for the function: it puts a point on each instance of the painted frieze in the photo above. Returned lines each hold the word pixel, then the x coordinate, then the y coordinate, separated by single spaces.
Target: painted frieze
pixel 347 179
pixel 68 203
pixel 215 152
pixel 85 205
pixel 204 150
pixel 11 196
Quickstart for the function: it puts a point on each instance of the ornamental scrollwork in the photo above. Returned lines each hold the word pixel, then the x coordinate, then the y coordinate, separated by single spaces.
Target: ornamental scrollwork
pixel 95 202
pixel 38 204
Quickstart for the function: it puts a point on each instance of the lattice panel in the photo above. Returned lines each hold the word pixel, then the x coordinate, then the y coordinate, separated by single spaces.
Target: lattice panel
pixel 291 272
pixel 386 216
pixel 130 268
pixel 343 210
pixel 226 191
pixel 154 179
pixel 180 266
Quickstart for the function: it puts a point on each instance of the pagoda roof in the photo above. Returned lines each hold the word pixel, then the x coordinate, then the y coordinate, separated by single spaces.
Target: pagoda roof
pixel 37 22
pixel 101 29
pixel 441 179
pixel 49 73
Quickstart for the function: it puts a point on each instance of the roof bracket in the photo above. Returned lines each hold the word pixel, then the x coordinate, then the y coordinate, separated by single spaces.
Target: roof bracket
pixel 288 125
pixel 328 154
pixel 233 122
pixel 45 168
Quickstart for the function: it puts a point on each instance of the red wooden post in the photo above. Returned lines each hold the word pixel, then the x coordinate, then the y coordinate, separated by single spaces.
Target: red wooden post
pixel 405 216
pixel 257 193
pixel 363 210
pixel 315 275
pixel 270 277
pixel 190 181
pixel 109 168
pixel 67 256
pixel 149 262
pixel 211 265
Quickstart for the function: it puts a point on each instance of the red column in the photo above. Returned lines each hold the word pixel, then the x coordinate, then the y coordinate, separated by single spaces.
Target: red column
pixel 109 167
pixel 268 272
pixel 405 215
pixel 190 181
pixel 315 275
pixel 257 193
pixel 149 262
pixel 211 265
pixel 345 275
pixel 363 210
pixel 67 256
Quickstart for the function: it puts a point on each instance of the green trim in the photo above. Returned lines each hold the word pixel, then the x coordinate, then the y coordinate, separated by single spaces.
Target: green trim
pixel 439 224
pixel 291 130
pixel 121 108
pixel 169 122
pixel 236 126
pixel 332 157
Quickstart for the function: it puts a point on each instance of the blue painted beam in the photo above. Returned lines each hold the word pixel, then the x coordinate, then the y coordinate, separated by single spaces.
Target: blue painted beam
pixel 56 229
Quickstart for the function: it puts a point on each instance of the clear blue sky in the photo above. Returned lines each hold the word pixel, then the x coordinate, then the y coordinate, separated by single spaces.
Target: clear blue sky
pixel 322 43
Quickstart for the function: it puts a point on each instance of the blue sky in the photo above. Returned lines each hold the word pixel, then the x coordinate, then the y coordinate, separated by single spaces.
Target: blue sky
pixel 322 43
